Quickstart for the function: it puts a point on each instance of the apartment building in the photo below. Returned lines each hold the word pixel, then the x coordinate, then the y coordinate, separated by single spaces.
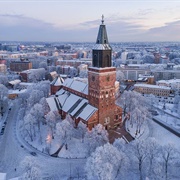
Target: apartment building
pixel 152 89
pixel 19 66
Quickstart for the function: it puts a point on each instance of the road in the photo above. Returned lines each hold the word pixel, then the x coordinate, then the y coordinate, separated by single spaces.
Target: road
pixel 162 135
pixel 9 146
pixel 11 154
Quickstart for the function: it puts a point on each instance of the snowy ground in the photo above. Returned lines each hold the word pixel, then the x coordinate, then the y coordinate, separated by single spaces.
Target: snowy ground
pixel 163 136
pixel 11 152
pixel 11 155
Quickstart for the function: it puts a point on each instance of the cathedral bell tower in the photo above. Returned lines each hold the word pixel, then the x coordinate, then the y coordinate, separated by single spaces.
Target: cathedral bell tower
pixel 101 79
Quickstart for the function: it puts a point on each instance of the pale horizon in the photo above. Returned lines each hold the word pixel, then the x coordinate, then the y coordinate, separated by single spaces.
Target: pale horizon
pixel 78 21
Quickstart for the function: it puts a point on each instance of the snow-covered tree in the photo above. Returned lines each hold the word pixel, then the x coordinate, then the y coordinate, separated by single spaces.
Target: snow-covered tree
pixel 83 74
pixel 152 100
pixel 138 116
pixel 82 129
pixel 43 86
pixel 37 112
pixel 43 65
pixel 34 97
pixel 64 131
pixel 3 79
pixel 58 69
pixel 106 163
pixel 37 75
pixel 3 98
pixel 168 155
pixel 98 136
pixel 3 92
pixel 31 169
pixel 129 100
pixel 178 109
pixel 147 58
pixel 73 72
pixel 120 144
pixel 29 126
pixel 51 68
pixel 51 122
pixel 119 76
pixel 139 149
pixel 45 105
pixel 153 149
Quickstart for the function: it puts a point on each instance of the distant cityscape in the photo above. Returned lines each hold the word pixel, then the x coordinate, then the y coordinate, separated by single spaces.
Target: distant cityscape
pixel 66 104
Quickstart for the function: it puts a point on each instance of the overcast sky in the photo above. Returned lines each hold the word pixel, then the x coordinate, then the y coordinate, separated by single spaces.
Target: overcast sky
pixel 79 20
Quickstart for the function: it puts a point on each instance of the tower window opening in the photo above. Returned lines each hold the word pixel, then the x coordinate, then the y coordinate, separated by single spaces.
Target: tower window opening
pixel 105 41
pixel 106 94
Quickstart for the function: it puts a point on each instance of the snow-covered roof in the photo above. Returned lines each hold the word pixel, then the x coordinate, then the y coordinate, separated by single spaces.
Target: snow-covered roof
pixel 75 105
pixel 58 81
pixel 87 112
pixel 78 107
pixel 68 82
pixel 102 47
pixel 52 103
pixel 25 84
pixel 151 86
pixel 169 81
pixel 69 102
pixel 85 91
pixel 53 73
pixel 76 85
pixel 100 68
pixel 60 92
pixel 17 91
pixel 142 79
pixel 16 81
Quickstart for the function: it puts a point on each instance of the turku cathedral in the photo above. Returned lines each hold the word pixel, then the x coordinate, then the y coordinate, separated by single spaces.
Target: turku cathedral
pixel 92 102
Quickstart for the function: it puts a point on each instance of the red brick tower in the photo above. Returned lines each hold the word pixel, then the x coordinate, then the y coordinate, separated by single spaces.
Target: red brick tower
pixel 101 79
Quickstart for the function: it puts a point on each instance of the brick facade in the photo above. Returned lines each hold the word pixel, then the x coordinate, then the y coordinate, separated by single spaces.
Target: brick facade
pixel 19 66
pixel 102 95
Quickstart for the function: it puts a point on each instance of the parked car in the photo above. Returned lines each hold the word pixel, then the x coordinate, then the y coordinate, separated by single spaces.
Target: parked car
pixel 33 153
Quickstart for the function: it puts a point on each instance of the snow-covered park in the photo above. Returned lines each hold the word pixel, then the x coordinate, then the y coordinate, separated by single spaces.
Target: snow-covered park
pixel 38 144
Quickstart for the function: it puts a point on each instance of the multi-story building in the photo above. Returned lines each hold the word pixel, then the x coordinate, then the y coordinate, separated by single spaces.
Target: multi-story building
pixel 75 62
pixel 146 79
pixel 133 73
pixel 174 84
pixel 19 66
pixel 152 89
pixel 165 74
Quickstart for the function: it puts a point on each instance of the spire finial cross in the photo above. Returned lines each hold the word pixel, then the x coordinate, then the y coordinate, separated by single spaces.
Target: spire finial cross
pixel 102 19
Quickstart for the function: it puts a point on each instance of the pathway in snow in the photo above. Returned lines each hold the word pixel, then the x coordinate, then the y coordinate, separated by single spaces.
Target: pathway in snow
pixel 11 154
pixel 162 135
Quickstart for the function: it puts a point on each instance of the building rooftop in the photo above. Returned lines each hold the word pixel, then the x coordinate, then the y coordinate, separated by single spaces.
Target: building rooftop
pixel 76 85
pixel 169 81
pixel 151 86
pixel 75 105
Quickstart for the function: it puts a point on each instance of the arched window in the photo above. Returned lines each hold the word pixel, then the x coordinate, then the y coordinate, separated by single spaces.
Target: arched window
pixel 95 60
pixel 106 94
pixel 108 63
